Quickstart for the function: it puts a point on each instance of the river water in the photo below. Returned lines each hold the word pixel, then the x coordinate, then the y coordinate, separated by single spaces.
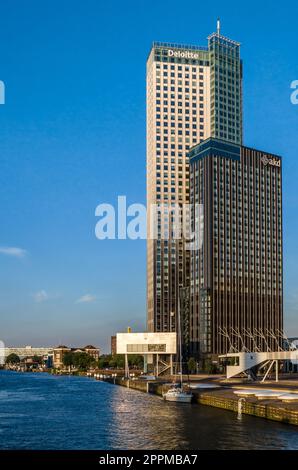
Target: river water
pixel 41 411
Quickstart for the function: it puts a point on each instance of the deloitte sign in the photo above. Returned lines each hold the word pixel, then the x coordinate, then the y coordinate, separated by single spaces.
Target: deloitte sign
pixel 183 54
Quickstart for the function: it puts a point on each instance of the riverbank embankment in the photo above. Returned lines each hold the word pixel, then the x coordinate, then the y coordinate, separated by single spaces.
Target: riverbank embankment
pixel 225 398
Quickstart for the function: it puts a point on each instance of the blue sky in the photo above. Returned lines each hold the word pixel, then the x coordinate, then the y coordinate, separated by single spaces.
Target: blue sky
pixel 72 135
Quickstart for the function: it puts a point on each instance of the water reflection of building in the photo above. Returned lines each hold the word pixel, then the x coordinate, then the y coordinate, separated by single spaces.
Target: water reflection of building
pixel 159 422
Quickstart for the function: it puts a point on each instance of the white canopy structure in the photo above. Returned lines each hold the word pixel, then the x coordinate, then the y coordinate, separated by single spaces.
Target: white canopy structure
pixel 239 362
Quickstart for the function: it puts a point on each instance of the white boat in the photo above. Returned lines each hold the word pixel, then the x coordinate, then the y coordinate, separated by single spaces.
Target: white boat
pixel 178 395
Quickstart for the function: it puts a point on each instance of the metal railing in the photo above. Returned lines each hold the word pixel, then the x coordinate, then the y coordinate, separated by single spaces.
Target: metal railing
pixel 179 46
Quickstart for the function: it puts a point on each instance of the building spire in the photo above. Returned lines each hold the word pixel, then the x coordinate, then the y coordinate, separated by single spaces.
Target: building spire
pixel 218 26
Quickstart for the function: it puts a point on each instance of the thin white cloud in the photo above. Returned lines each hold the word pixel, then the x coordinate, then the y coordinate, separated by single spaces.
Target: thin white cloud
pixel 86 299
pixel 13 251
pixel 40 296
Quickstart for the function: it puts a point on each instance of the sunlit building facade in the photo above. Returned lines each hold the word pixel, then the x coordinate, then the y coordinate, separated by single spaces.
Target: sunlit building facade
pixel 236 293
pixel 193 93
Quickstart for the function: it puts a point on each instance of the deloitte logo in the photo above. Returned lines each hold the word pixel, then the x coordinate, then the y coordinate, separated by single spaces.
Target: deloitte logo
pixel 183 54
pixel 270 161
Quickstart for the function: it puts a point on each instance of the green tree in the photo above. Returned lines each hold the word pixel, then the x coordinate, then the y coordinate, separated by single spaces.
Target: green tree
pixel 37 359
pixel 83 360
pixel 113 362
pixel 13 359
pixel 209 367
pixel 136 360
pixel 68 359
pixel 117 361
pixel 192 365
pixel 103 361
pixel 120 361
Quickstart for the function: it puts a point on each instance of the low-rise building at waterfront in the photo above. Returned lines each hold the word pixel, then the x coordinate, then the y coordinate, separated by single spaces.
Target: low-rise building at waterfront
pixel 58 354
pixel 92 351
pixel 60 351
pixel 27 351
pixel 158 350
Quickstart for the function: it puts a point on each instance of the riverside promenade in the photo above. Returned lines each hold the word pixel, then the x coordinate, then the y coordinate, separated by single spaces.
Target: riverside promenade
pixel 223 396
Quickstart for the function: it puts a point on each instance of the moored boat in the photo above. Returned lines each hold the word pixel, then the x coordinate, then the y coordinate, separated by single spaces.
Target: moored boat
pixel 177 394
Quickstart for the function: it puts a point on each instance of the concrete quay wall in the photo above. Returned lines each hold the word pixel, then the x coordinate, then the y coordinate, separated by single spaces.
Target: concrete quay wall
pixel 224 398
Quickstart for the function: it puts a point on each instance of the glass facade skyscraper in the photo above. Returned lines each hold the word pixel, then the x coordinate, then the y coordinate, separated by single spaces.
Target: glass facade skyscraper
pixel 193 93
pixel 230 291
pixel 236 292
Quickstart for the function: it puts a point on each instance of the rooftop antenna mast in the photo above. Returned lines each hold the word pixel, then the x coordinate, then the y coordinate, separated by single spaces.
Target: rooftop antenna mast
pixel 218 26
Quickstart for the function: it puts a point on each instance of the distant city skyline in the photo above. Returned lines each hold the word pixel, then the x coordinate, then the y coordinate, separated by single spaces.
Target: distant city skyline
pixel 73 136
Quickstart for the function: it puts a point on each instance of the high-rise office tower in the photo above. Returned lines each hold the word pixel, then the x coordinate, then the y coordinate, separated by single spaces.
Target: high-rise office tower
pixel 193 93
pixel 236 291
